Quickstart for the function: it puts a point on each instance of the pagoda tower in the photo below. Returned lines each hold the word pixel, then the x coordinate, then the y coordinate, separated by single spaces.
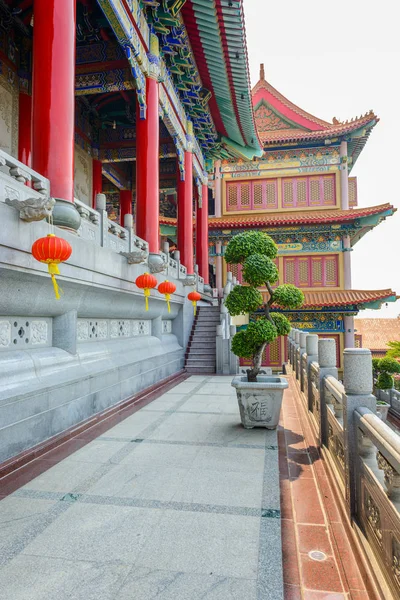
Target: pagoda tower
pixel 301 193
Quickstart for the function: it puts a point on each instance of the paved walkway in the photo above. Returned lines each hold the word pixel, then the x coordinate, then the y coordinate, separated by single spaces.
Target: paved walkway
pixel 176 502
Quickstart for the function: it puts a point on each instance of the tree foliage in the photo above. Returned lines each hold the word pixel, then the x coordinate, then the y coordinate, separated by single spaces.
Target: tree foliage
pixel 243 245
pixel 255 250
pixel 385 381
pixel 394 350
pixel 385 368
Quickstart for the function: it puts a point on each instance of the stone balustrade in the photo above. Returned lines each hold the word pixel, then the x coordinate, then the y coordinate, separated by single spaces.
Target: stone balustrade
pixel 362 453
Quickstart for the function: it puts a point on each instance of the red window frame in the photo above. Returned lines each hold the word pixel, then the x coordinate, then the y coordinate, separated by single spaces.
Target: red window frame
pixel 239 185
pixel 309 180
pixel 310 261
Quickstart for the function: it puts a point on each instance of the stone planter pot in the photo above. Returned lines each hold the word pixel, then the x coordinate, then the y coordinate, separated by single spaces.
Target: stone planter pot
pixel 382 410
pixel 260 402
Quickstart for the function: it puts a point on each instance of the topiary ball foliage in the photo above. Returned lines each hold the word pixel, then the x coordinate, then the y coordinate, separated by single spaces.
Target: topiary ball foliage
pixel 242 300
pixel 375 363
pixel 282 323
pixel 246 343
pixel 384 381
pixel 288 296
pixel 258 269
pixel 388 365
pixel 243 245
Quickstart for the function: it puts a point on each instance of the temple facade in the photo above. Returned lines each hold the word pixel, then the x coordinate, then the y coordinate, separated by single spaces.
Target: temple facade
pixel 112 114
pixel 301 193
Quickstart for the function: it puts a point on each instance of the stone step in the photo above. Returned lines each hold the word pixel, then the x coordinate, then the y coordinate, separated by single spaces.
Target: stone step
pixel 201 370
pixel 210 364
pixel 193 352
pixel 202 346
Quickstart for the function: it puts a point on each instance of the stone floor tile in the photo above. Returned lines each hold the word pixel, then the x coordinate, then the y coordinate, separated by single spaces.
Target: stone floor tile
pixel 63 477
pixel 45 578
pixel 210 428
pixel 291 573
pixel 151 584
pixel 248 460
pixel 292 592
pixel 299 466
pixel 232 488
pixel 345 556
pixel 149 455
pixel 313 595
pixel 224 545
pixel 314 537
pixel 96 533
pixel 98 452
pixel 307 507
pixel 17 514
pixel 320 575
pixel 206 403
pixel 286 500
pixel 186 387
pixel 134 425
pixel 217 389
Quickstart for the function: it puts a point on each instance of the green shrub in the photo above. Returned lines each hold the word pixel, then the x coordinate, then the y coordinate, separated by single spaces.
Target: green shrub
pixel 384 381
pixel 255 250
pixel 388 365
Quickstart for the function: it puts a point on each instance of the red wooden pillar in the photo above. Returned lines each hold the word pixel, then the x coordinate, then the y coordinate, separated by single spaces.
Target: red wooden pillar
pixel 25 129
pixel 97 180
pixel 202 234
pixel 147 170
pixel 53 92
pixel 185 214
pixel 125 204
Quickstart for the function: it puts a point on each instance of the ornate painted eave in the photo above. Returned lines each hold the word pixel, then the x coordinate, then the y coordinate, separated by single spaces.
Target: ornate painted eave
pixel 300 218
pixel 216 30
pixel 357 299
pixel 281 123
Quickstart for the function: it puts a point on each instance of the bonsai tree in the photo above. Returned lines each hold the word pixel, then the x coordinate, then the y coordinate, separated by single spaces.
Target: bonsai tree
pixel 385 368
pixel 255 251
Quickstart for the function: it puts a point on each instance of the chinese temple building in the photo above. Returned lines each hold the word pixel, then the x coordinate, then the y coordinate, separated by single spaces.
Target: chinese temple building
pixel 301 193
pixel 112 114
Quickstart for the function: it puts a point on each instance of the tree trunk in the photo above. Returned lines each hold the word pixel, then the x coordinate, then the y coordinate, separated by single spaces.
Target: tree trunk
pixel 257 358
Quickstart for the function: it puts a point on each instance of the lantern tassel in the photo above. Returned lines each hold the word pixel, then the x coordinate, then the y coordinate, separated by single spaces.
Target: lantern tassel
pixel 194 307
pixel 54 270
pixel 147 295
pixel 168 298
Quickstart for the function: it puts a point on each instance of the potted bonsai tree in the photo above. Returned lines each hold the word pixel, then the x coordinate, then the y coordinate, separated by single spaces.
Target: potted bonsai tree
pixel 384 369
pixel 259 397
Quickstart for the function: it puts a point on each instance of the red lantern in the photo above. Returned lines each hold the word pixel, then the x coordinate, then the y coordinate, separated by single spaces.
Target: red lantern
pixel 146 282
pixel 52 250
pixel 167 288
pixel 194 297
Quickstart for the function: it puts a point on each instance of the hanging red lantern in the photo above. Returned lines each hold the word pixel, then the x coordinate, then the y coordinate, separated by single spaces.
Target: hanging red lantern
pixel 194 297
pixel 52 251
pixel 167 288
pixel 146 282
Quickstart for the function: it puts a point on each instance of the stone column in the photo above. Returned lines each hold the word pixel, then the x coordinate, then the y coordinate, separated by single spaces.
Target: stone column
pixel 53 103
pixel 344 175
pixel 202 234
pixel 303 342
pixel 327 366
pixel 349 338
pixel 312 356
pixel 218 182
pixel 297 353
pixel 218 267
pixel 147 157
pixel 185 215
pixel 125 205
pixel 358 385
pixel 25 129
pixel 97 180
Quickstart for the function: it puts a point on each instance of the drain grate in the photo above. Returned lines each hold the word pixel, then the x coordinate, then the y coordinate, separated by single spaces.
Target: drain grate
pixel 317 555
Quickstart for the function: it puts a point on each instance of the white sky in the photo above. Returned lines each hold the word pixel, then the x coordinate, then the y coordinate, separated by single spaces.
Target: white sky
pixel 341 59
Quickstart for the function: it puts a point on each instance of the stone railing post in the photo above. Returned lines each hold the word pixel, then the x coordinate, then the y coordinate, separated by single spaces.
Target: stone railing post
pixel 297 352
pixel 292 347
pixel 101 205
pixel 312 356
pixel 327 366
pixel 289 340
pixel 358 384
pixel 303 342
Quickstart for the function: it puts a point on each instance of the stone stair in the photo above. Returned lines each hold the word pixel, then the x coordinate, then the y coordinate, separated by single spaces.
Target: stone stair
pixel 201 351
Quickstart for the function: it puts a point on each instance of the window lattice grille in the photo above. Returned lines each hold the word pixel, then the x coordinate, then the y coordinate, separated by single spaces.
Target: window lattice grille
pixel 301 192
pixel 245 195
pixel 329 190
pixel 289 271
pixel 288 195
pixel 314 192
pixel 316 271
pixel 232 197
pixel 303 272
pixel 331 268
pixel 258 195
pixel 271 194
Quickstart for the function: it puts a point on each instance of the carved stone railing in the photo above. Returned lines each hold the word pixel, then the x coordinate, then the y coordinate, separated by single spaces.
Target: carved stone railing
pixel 24 189
pixel 378 493
pixel 361 452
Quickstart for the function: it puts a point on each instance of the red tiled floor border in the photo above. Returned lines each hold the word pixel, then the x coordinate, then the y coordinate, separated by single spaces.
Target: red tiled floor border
pixel 356 580
pixel 20 469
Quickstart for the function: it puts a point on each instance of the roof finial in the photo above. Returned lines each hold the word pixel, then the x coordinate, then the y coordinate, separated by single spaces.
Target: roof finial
pixel 262 73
